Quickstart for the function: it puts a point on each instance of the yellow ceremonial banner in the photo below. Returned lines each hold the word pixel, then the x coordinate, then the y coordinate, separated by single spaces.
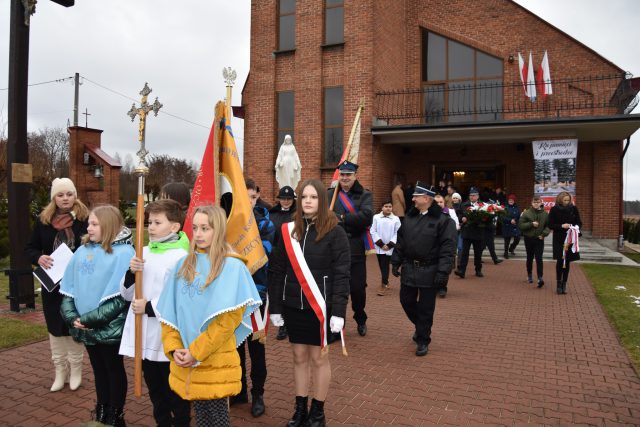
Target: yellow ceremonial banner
pixel 242 231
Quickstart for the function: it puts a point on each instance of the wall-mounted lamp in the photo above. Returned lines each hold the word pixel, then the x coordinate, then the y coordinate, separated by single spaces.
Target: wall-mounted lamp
pixel 86 158
pixel 459 174
pixel 511 59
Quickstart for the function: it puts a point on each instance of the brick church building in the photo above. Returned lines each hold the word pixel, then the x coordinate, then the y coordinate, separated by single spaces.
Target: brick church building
pixel 443 98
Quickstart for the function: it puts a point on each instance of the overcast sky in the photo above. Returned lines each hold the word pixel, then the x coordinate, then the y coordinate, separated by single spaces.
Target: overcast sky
pixel 181 47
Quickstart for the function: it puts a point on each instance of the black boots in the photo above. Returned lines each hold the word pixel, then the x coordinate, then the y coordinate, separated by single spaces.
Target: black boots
pixel 300 413
pixel 564 288
pixel 257 405
pixel 316 414
pixel 540 282
pixel 558 287
pixel 114 417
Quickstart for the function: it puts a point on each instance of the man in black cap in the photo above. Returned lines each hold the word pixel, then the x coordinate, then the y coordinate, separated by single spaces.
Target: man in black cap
pixel 472 235
pixel 423 257
pixel 280 214
pixel 354 209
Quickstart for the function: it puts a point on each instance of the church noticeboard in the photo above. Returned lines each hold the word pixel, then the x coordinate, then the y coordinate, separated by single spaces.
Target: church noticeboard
pixel 554 169
pixel 21 173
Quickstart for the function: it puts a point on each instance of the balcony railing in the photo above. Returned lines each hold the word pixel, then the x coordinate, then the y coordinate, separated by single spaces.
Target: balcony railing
pixel 492 100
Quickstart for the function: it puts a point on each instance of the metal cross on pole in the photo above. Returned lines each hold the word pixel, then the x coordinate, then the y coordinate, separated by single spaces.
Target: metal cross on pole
pixel 141 170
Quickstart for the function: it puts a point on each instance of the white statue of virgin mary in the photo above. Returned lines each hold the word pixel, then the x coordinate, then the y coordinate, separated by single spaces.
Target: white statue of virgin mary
pixel 288 165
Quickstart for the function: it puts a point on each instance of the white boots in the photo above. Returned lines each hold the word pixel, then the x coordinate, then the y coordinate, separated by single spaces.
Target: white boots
pixel 75 353
pixel 67 359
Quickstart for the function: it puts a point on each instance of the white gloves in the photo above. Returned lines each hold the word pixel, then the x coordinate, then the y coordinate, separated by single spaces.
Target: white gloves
pixel 336 324
pixel 276 320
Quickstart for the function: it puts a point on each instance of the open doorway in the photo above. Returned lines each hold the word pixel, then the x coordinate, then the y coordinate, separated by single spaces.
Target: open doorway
pixel 465 176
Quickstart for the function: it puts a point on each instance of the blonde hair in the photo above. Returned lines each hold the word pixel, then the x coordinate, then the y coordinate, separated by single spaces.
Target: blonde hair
pixel 80 209
pixel 111 222
pixel 561 196
pixel 218 250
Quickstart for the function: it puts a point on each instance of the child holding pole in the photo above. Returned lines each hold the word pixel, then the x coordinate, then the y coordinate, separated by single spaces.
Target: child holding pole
pixel 167 245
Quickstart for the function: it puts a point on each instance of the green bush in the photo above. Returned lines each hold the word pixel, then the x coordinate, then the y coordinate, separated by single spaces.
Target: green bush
pixel 631 230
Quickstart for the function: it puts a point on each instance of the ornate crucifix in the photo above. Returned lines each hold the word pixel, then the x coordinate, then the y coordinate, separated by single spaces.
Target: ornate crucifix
pixel 144 109
pixel 141 171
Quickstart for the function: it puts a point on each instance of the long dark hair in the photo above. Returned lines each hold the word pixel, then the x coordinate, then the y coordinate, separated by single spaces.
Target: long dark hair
pixel 325 219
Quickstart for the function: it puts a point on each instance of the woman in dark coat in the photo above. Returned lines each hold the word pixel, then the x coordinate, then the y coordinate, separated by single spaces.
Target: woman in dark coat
pixel 510 229
pixel 64 220
pixel 312 240
pixel 561 217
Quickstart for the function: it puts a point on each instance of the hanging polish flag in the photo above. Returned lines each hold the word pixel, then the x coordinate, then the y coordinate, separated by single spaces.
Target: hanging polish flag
pixel 522 70
pixel 547 89
pixel 531 80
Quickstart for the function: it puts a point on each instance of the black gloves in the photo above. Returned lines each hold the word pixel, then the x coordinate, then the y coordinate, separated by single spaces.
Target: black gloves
pixel 441 280
pixel 379 243
pixel 395 270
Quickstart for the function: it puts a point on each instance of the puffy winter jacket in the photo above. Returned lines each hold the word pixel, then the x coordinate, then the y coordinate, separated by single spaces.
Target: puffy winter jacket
pixel 330 265
pixel 105 323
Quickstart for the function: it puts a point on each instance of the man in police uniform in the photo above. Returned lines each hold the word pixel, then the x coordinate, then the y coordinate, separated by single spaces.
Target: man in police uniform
pixel 355 222
pixel 423 257
pixel 472 235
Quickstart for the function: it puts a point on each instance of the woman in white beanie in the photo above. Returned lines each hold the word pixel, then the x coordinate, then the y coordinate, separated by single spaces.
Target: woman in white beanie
pixel 63 220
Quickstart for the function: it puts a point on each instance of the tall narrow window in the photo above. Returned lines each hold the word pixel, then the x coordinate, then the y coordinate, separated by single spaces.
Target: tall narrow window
pixel 334 22
pixel 285 116
pixel 333 125
pixel 287 25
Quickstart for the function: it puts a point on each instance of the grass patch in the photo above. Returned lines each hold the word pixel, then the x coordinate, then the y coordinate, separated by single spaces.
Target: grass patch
pixel 633 255
pixel 18 332
pixel 619 304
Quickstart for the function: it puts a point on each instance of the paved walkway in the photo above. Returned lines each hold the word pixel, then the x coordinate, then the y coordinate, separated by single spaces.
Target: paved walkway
pixel 503 353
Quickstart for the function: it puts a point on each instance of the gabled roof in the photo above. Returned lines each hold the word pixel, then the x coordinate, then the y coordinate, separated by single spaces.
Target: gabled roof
pixel 566 35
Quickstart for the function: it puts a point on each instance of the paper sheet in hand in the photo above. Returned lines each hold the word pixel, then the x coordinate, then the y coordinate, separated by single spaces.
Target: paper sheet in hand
pixel 50 278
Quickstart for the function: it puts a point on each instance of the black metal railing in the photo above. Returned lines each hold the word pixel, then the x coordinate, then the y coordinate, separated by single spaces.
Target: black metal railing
pixel 491 100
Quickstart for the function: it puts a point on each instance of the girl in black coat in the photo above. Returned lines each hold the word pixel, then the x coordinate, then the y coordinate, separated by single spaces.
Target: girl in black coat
pixel 64 220
pixel 562 216
pixel 325 248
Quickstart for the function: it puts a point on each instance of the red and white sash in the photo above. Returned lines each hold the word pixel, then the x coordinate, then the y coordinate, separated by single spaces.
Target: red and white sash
pixel 258 321
pixel 306 280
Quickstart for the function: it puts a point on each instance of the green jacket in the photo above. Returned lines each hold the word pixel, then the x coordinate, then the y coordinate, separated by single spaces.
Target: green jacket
pixel 105 323
pixel 526 223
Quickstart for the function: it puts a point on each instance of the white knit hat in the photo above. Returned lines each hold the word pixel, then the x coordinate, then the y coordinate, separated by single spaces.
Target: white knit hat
pixel 60 185
pixel 456 196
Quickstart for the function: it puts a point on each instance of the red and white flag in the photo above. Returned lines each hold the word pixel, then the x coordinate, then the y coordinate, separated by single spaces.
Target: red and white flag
pixel 522 71
pixel 531 80
pixel 543 77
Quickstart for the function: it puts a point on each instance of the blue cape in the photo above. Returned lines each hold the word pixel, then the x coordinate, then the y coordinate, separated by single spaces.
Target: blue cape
pixel 189 308
pixel 93 276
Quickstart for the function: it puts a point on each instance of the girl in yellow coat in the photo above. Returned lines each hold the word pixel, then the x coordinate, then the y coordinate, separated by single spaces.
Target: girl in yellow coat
pixel 205 311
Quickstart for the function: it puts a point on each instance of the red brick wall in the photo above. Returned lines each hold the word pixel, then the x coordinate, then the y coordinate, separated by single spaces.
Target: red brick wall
pixel 382 51
pixel 91 190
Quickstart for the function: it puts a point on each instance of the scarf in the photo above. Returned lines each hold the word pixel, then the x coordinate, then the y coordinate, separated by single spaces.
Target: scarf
pixel 62 222
pixel 171 241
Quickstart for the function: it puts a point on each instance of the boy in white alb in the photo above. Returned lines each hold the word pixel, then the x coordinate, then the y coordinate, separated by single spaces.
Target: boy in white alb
pixel 384 233
pixel 167 245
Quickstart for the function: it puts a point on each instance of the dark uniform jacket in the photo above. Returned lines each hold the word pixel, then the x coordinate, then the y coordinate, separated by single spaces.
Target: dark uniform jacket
pixel 355 224
pixel 471 231
pixel 426 246
pixel 279 216
pixel 41 243
pixel 559 215
pixel 330 266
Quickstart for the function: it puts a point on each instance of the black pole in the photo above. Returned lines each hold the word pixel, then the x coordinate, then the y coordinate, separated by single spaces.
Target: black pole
pixel 19 179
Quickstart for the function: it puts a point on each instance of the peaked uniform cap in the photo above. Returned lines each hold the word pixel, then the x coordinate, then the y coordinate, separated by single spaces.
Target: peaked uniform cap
pixel 286 192
pixel 347 167
pixel 423 189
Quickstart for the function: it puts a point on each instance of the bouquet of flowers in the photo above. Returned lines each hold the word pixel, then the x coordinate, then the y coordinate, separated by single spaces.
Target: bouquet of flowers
pixel 484 214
